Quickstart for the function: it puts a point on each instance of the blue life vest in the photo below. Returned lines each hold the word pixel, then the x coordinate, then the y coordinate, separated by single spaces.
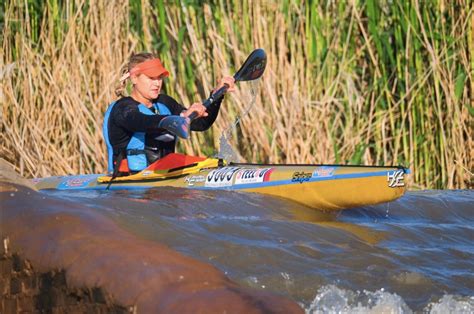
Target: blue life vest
pixel 135 149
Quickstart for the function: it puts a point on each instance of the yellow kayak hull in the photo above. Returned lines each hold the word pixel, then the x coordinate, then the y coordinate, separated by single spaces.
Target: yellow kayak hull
pixel 323 187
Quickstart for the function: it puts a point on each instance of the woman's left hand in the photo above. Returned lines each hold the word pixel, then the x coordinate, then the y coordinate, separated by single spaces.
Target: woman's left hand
pixel 230 81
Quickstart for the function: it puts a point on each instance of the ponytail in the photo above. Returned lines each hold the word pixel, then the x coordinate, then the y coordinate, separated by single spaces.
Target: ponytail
pixel 125 72
pixel 120 88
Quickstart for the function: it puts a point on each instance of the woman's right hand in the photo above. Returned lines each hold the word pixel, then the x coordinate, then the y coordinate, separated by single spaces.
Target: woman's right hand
pixel 197 107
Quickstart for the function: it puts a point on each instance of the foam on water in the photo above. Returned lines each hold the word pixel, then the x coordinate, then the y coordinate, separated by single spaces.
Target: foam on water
pixel 332 299
pixel 452 304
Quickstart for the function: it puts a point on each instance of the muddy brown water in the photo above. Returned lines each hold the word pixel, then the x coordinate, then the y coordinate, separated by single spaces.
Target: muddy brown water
pixel 414 254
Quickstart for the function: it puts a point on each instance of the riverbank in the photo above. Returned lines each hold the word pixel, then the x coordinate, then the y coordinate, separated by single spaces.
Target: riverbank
pixel 24 289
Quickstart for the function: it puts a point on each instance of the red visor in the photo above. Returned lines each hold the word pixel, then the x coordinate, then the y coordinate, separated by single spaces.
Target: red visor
pixel 151 68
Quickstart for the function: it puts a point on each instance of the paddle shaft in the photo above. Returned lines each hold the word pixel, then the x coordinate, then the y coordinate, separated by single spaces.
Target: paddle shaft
pixel 251 70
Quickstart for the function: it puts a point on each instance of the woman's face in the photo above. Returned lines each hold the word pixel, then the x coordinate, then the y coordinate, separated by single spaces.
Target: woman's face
pixel 148 87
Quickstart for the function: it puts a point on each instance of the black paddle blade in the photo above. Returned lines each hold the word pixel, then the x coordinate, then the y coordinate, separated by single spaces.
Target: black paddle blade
pixel 177 125
pixel 253 67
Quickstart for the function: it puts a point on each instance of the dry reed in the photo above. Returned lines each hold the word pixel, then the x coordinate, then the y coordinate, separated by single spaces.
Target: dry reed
pixel 359 82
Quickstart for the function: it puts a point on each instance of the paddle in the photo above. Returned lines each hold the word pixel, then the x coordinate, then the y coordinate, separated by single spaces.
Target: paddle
pixel 252 69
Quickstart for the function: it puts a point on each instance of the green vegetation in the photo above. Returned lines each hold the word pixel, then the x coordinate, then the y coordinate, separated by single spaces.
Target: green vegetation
pixel 359 82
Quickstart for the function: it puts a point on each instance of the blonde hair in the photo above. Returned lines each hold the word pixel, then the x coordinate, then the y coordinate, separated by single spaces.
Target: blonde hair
pixel 135 59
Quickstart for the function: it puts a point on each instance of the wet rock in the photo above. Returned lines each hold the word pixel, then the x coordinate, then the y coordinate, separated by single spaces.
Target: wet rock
pixel 69 258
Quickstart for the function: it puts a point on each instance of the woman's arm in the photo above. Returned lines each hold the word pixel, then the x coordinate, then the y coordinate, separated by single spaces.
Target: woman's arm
pixel 199 124
pixel 127 115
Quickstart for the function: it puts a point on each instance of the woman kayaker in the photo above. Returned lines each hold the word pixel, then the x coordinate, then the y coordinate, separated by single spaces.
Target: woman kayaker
pixel 131 124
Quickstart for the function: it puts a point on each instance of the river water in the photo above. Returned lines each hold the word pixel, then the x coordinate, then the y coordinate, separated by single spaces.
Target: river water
pixel 412 255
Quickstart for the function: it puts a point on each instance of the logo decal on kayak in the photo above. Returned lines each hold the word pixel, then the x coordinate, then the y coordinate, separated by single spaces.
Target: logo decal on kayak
pixel 191 180
pixel 301 176
pixel 396 179
pixel 323 171
pixel 74 183
pixel 221 177
pixel 245 176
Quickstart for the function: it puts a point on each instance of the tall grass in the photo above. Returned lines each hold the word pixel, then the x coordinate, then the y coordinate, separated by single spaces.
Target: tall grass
pixel 358 82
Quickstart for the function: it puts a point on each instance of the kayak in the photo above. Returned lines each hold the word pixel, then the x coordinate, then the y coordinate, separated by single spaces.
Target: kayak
pixel 324 187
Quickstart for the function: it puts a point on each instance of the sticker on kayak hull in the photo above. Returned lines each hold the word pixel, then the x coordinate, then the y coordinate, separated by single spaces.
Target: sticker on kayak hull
pixel 323 172
pixel 245 176
pixel 221 177
pixel 396 179
pixel 301 176
pixel 191 180
pixel 75 183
